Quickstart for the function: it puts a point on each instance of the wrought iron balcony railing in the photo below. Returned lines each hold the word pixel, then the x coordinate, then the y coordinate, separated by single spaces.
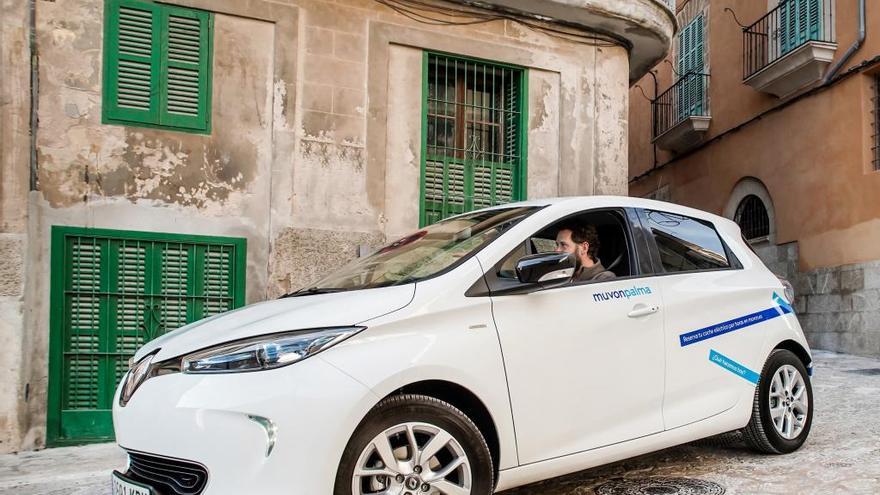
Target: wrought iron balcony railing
pixel 688 97
pixel 792 24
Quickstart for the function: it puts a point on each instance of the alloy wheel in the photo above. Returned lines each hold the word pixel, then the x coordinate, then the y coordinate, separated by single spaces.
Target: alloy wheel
pixel 412 459
pixel 789 402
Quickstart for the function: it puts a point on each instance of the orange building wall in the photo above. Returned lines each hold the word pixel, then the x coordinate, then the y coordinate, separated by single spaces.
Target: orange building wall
pixel 814 155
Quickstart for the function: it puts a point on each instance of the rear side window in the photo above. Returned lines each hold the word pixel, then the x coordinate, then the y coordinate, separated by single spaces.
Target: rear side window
pixel 686 244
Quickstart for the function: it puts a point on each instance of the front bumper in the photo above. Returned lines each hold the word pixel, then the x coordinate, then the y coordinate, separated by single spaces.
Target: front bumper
pixel 223 423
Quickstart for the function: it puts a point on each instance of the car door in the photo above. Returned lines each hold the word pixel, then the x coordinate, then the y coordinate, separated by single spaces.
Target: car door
pixel 584 363
pixel 712 308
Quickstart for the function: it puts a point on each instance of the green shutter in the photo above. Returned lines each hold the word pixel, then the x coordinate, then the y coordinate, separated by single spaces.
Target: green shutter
pixel 111 293
pixel 84 307
pixel 186 36
pixel 157 65
pixel 131 84
pixel 473 141
pixel 691 63
pixel 799 21
pixel 814 19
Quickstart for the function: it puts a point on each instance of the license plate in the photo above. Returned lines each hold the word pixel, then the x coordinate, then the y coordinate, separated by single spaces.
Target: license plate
pixel 122 486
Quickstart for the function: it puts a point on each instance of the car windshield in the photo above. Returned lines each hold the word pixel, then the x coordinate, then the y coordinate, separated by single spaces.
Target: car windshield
pixel 424 253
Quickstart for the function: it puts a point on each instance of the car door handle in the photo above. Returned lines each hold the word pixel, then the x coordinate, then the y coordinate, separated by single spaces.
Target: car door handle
pixel 641 310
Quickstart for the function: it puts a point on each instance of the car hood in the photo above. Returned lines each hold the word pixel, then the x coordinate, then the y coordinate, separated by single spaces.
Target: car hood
pixel 280 315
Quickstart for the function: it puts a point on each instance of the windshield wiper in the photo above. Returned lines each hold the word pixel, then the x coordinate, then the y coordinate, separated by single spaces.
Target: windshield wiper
pixel 313 290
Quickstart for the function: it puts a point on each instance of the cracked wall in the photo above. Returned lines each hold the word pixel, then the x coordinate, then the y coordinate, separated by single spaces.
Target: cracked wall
pixel 92 174
pixel 358 159
pixel 314 153
pixel 82 160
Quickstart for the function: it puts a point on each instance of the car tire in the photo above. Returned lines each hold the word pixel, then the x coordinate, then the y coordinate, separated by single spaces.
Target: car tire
pixel 420 414
pixel 766 434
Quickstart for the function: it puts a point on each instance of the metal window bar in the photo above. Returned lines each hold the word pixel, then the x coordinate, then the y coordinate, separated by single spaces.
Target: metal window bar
pixel 790 25
pixel 876 123
pixel 752 218
pixel 689 96
pixel 473 155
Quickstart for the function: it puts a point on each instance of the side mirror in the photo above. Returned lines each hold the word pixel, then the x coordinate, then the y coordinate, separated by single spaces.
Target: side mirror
pixel 545 267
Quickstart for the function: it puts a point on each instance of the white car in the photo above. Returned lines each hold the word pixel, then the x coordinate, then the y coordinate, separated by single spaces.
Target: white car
pixel 465 359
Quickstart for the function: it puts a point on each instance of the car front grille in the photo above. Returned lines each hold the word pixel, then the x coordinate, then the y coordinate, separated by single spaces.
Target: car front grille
pixel 169 476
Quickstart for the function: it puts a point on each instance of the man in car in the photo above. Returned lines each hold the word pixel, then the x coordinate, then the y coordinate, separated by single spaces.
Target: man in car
pixel 583 241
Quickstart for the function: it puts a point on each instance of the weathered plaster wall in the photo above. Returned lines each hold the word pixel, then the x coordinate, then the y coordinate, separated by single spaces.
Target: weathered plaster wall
pixel 15 94
pixel 11 329
pixel 81 160
pixel 314 153
pixel 612 109
pixel 14 183
pixel 358 157
pixel 129 178
pixel 302 256
pixel 404 142
pixel 544 156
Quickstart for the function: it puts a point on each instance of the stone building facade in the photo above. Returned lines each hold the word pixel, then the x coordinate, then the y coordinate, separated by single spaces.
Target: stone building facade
pixel 776 126
pixel 162 162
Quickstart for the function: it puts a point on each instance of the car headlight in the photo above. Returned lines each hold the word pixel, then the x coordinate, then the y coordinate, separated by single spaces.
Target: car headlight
pixel 265 352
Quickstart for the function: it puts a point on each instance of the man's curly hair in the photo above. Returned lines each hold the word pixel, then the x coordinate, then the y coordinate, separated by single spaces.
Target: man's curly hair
pixel 585 233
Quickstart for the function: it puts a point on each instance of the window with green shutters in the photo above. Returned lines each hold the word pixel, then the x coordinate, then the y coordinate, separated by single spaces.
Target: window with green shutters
pixel 157 66
pixel 474 141
pixel 111 293
pixel 799 21
pixel 691 63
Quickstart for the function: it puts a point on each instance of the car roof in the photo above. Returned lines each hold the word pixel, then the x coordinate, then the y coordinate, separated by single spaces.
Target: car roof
pixel 605 201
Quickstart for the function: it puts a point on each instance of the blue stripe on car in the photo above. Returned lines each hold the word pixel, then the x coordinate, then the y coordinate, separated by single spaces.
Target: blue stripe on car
pixel 732 366
pixel 781 308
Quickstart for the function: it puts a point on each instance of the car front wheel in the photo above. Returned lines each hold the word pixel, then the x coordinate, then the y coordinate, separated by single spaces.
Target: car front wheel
pixel 416 445
pixel 782 412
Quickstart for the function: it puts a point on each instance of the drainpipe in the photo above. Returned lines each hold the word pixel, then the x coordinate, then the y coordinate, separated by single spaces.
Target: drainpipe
pixel 852 49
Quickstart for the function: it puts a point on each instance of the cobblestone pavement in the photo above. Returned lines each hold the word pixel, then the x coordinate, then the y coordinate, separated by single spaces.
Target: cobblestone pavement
pixel 842 455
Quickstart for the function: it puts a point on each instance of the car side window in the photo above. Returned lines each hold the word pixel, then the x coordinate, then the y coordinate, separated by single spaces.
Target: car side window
pixel 613 245
pixel 542 245
pixel 685 243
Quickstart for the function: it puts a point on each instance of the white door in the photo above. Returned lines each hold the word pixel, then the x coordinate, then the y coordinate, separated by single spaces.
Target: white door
pixel 727 327
pixel 714 313
pixel 585 365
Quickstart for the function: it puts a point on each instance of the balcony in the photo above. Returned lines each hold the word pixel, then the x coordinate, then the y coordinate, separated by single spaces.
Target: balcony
pixel 681 113
pixel 789 48
pixel 646 27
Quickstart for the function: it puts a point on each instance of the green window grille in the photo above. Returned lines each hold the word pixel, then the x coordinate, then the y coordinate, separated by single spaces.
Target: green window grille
pixel 157 66
pixel 691 60
pixel 474 140
pixel 111 293
pixel 799 21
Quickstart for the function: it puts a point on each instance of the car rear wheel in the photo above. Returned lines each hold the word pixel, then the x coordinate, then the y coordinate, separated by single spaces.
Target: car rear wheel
pixel 782 412
pixel 416 445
